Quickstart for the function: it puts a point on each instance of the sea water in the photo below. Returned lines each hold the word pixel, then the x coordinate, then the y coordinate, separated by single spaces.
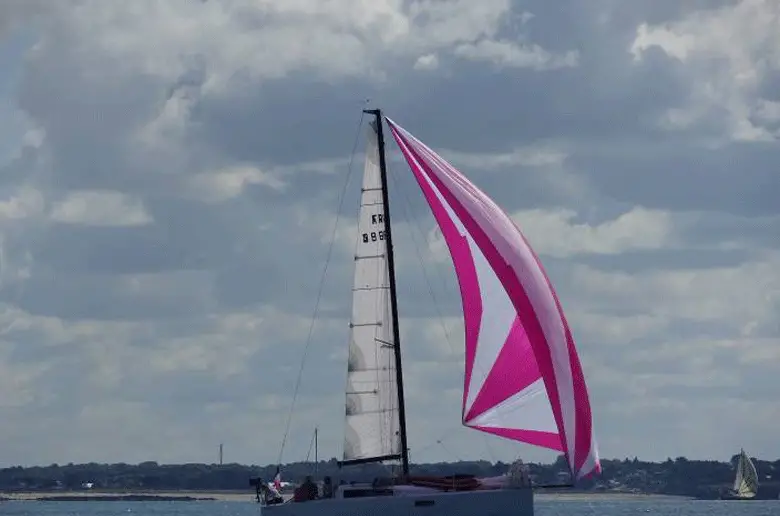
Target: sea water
pixel 649 506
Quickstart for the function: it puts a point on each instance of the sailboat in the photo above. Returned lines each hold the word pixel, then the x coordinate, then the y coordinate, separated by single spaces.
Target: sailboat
pixel 523 379
pixel 746 480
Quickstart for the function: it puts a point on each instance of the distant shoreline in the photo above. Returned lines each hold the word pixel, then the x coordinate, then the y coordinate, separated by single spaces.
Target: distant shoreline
pixel 129 495
pixel 246 496
pixel 600 495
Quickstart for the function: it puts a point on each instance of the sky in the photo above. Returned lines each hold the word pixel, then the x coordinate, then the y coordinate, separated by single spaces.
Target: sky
pixel 170 176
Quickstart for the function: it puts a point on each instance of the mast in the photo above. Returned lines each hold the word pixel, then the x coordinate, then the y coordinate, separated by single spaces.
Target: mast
pixel 393 295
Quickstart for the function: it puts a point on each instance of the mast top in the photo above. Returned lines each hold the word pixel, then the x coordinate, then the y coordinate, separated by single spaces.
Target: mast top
pixel 375 112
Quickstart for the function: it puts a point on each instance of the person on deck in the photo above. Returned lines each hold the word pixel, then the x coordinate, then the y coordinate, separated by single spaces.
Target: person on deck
pixel 327 488
pixel 272 496
pixel 310 489
pixel 306 491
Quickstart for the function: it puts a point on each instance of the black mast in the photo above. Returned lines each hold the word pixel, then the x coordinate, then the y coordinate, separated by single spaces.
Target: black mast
pixel 399 375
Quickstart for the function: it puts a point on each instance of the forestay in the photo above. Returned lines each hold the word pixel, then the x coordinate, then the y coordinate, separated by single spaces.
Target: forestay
pixel 372 420
pixel 523 379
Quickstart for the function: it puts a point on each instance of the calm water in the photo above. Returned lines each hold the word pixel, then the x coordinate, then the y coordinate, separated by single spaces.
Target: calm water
pixel 662 507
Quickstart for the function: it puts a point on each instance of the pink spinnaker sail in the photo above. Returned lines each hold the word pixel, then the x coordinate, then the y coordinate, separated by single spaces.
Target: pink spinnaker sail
pixel 523 379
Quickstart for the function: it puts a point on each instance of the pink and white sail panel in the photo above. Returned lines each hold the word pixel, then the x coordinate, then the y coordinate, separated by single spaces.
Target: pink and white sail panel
pixel 523 379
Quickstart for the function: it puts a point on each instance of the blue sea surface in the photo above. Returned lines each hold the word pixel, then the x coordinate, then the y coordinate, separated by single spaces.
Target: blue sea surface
pixel 648 507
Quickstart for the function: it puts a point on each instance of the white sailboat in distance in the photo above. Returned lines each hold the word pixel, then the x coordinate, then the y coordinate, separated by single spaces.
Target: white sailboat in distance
pixel 746 480
pixel 523 379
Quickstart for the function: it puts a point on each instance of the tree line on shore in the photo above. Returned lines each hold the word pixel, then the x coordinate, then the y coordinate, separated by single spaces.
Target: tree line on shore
pixel 679 476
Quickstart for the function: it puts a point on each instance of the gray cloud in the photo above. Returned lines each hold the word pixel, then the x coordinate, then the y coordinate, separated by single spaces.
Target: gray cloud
pixel 168 199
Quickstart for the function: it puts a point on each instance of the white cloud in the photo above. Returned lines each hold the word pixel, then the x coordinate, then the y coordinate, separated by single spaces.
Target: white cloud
pixel 236 337
pixel 18 133
pixel 230 182
pixel 736 297
pixel 117 375
pixel 100 208
pixel 427 62
pixel 261 39
pixel 675 351
pixel 726 55
pixel 554 233
pixel 540 155
pixel 443 335
pixel 19 382
pixel 26 202
pixel 604 329
pixel 169 127
pixel 504 53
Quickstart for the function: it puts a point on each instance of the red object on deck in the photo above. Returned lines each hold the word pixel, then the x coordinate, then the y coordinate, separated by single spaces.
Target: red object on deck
pixel 454 483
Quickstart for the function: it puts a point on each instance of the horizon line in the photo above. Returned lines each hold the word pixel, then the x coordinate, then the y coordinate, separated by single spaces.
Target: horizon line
pixel 334 459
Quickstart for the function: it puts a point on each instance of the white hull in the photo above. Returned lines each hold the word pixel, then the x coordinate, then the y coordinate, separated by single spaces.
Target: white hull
pixel 499 502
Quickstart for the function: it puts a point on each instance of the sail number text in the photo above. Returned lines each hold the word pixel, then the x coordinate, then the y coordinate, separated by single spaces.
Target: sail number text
pixel 373 236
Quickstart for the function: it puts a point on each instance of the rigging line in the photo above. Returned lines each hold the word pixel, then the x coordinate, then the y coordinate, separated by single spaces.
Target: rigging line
pixel 320 289
pixel 489 448
pixel 447 450
pixel 413 222
pixel 311 445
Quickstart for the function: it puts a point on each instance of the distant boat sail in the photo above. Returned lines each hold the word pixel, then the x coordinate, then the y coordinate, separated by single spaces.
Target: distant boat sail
pixel 746 480
pixel 523 378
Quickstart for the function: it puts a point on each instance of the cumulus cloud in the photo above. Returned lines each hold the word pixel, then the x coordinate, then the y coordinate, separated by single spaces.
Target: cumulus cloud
pixel 427 62
pixel 100 208
pixel 730 56
pixel 171 172
pixel 509 54
pixel 556 235
pixel 230 182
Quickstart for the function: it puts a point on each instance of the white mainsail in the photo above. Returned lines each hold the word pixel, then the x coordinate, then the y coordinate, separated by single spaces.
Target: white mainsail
pixel 746 481
pixel 372 412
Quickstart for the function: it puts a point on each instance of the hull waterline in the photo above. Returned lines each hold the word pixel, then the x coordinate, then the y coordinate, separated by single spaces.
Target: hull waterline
pixel 503 502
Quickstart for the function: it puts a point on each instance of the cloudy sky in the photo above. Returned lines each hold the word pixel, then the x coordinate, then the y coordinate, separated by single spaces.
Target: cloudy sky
pixel 170 176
